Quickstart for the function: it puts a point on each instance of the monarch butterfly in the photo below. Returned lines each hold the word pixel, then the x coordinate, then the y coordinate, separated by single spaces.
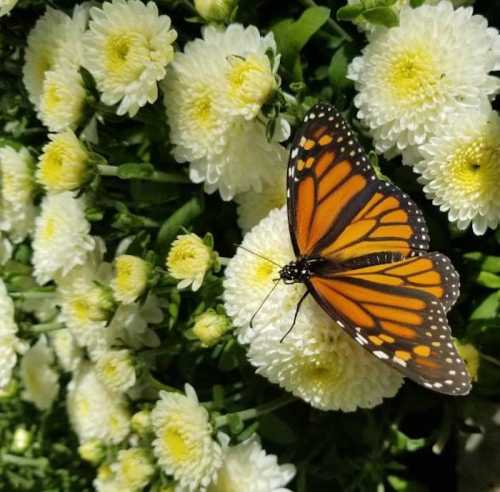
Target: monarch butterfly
pixel 361 250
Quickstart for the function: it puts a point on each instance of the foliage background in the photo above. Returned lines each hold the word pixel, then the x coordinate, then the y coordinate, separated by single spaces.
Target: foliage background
pixel 412 442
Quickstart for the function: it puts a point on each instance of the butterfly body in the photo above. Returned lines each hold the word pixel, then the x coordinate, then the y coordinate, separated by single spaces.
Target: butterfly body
pixel 361 248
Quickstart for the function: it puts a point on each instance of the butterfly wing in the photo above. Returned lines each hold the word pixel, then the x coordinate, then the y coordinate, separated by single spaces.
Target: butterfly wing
pixel 337 208
pixel 377 281
pixel 397 311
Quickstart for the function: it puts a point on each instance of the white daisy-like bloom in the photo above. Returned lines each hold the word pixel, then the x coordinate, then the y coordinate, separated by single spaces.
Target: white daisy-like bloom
pixel 409 79
pixel 133 469
pixel 69 354
pixel 10 345
pixel 86 306
pixel 64 163
pixel 131 324
pixel 62 237
pixel 188 260
pixel 248 468
pixel 215 86
pixel 127 49
pixel 253 206
pixel 234 171
pixel 40 380
pixel 115 369
pixel 130 278
pixel 184 445
pixel 42 50
pixel 6 6
pixel 94 411
pixel 317 361
pixel 17 212
pixel 6 250
pixel 63 99
pixel 460 169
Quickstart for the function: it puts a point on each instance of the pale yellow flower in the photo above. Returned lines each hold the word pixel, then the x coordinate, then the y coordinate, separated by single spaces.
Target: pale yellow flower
pixel 210 326
pixel 130 278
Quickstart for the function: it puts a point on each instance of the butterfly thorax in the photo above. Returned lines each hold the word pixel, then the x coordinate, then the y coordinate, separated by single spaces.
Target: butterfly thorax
pixel 299 270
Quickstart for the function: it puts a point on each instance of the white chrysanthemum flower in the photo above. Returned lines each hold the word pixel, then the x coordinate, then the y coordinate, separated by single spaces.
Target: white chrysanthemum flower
pixel 68 353
pixel 40 380
pixel 216 83
pixel 64 163
pixel 6 250
pixel 253 206
pixel 92 451
pixel 408 78
pixel 115 369
pixel 130 278
pixel 10 345
pixel 61 240
pixel 127 49
pixel 106 480
pixel 63 99
pixel 188 260
pixel 460 169
pixel 131 323
pixel 210 326
pixel 6 6
pixel 17 212
pixel 94 411
pixel 317 361
pixel 233 171
pixel 214 10
pixel 42 50
pixel 184 445
pixel 248 468
pixel 86 306
pixel 133 469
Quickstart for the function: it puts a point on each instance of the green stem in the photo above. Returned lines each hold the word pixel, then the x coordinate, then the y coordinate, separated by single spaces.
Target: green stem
pixel 162 386
pixel 47 327
pixel 333 25
pixel 253 413
pixel 157 176
pixel 490 359
pixel 22 461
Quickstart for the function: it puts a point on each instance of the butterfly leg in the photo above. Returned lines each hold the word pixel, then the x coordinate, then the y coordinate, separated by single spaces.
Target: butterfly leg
pixel 297 309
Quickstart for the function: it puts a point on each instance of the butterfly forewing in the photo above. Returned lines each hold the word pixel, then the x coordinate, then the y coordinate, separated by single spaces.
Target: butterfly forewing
pixel 337 208
pixel 376 278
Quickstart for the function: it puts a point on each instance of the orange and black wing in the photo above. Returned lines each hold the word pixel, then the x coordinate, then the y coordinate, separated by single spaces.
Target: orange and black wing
pixel 397 311
pixel 337 208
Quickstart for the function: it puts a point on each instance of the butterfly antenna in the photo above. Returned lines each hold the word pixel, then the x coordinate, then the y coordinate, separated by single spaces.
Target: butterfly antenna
pixel 268 295
pixel 259 255
pixel 297 309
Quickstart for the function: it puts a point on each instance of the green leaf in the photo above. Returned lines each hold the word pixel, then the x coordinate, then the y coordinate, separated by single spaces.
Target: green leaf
pixel 349 12
pixel 487 309
pixel 489 280
pixel 135 171
pixel 416 3
pixel 381 16
pixel 401 442
pixel 337 71
pixel 291 36
pixel 276 430
pixel 182 217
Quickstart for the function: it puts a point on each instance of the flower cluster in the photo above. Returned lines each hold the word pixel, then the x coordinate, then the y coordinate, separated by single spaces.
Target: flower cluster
pixel 126 308
pixel 414 97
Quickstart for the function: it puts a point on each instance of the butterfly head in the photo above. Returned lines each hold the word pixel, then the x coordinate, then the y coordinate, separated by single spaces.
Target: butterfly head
pixel 299 270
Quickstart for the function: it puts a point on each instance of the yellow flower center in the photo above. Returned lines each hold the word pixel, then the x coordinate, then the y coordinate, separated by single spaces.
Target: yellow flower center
pixel 125 54
pixel 202 108
pixel 475 167
pixel 52 99
pixel 177 447
pixel 251 80
pixel 263 271
pixel 90 306
pixel 413 77
pixel 48 229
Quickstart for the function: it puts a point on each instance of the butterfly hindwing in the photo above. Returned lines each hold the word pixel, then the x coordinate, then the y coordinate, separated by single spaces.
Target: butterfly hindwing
pixel 337 207
pixel 397 312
